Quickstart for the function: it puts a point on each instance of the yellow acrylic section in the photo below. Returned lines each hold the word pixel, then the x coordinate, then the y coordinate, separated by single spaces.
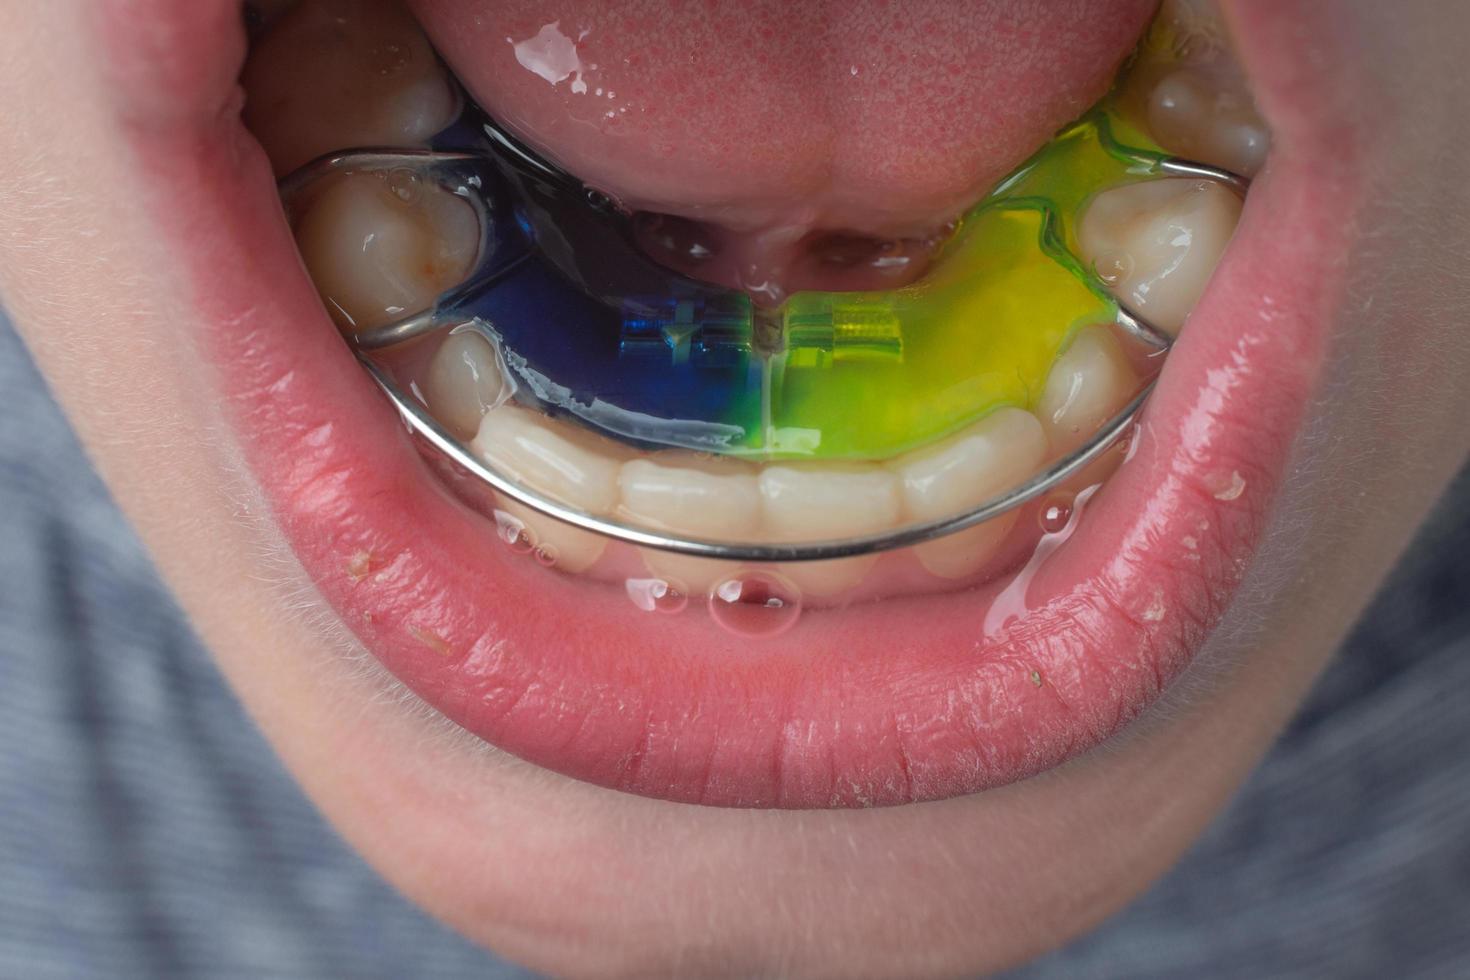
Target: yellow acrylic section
pixel 869 375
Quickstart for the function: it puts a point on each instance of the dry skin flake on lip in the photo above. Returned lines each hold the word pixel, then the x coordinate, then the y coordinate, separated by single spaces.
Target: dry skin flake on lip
pixel 561 362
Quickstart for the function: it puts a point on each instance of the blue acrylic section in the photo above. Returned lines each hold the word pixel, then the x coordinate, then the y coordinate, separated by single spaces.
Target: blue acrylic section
pixel 591 326
pixel 566 349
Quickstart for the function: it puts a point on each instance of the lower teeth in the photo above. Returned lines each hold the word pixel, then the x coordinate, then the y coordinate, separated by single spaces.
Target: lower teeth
pixel 1159 242
pixel 1187 92
pixel 382 245
pixel 375 256
pixel 331 74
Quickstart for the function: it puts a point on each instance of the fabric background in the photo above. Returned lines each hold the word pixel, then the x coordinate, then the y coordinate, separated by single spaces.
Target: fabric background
pixel 147 831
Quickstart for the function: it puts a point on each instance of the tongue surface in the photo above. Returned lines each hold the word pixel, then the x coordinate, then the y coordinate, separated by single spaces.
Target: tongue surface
pixel 779 120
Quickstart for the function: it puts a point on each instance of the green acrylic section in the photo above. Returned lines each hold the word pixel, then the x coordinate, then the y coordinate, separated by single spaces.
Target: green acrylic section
pixel 870 375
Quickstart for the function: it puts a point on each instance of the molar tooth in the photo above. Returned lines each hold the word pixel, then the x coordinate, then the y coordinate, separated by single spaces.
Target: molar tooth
pixel 1208 116
pixel 558 460
pixel 695 496
pixel 812 502
pixel 380 247
pixel 1089 383
pixel 963 471
pixel 333 74
pixel 464 382
pixel 1156 243
pixel 1198 28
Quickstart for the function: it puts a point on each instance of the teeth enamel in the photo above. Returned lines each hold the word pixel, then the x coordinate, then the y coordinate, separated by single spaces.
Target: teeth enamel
pixel 687 574
pixel 1156 243
pixel 816 502
pixel 568 548
pixel 334 74
pixel 1208 116
pixel 1187 89
pixel 340 73
pixel 697 497
pixel 1089 384
pixel 965 470
pixel 1197 26
pixel 464 382
pixel 708 498
pixel 381 247
pixel 555 459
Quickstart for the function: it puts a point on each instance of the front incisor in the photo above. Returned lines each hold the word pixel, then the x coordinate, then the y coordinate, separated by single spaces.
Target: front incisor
pixel 696 497
pixel 828 501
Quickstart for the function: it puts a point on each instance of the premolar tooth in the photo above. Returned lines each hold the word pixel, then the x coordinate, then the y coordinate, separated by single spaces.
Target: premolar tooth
pixel 813 502
pixel 965 470
pixel 333 74
pixel 1089 383
pixel 1208 116
pixel 1156 243
pixel 380 247
pixel 464 381
pixel 696 497
pixel 557 460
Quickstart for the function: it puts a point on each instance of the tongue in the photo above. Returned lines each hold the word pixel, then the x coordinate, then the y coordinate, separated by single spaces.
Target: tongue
pixel 781 127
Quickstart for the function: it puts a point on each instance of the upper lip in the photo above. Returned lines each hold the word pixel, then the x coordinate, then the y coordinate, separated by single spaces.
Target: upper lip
pixel 887 703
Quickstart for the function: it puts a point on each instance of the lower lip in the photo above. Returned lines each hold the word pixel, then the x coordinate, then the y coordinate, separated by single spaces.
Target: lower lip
pixel 890 702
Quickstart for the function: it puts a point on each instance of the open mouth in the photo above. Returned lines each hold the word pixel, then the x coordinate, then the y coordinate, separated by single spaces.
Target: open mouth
pixel 961 658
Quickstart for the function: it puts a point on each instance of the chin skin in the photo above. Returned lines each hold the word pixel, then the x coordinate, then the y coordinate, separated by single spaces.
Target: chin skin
pixel 570 878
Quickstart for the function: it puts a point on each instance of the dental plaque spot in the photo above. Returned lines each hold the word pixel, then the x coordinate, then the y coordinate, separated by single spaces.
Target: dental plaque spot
pixel 855 381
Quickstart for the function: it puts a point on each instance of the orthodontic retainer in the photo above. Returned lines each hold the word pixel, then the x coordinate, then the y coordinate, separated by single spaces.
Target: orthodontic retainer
pixel 588 326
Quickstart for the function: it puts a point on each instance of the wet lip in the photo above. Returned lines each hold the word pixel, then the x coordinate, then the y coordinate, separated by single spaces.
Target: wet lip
pixel 904 700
